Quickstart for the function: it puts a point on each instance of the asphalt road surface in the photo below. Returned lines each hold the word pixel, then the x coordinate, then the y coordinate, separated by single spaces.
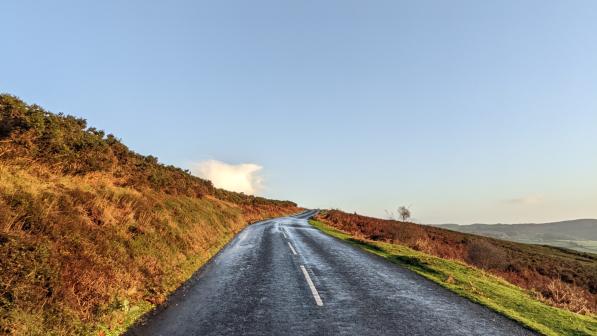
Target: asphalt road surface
pixel 284 277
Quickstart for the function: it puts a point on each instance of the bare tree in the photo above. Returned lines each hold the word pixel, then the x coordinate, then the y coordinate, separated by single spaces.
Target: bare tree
pixel 404 213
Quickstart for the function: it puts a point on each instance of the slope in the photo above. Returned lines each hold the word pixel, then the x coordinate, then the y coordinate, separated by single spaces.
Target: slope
pixel 92 235
pixel 579 234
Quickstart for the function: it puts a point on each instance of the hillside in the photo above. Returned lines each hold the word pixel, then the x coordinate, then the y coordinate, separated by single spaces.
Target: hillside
pixel 92 234
pixel 559 277
pixel 580 234
pixel 472 283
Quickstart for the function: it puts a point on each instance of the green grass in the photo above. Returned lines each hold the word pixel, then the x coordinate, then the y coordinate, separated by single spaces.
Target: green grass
pixel 589 246
pixel 478 286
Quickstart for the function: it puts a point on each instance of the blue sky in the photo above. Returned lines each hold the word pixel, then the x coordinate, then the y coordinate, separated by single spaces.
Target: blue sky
pixel 468 111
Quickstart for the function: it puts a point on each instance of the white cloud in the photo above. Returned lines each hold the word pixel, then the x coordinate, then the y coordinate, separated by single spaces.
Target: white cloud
pixel 526 200
pixel 242 177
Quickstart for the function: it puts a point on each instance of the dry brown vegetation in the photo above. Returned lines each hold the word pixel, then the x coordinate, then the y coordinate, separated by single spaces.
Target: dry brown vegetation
pixel 91 233
pixel 559 277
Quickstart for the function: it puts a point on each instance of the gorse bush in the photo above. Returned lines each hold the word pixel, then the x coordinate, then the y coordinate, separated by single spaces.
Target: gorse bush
pixel 50 138
pixel 29 134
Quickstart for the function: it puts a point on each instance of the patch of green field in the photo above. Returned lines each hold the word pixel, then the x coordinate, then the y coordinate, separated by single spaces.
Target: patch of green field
pixel 479 287
pixel 587 246
pixel 579 245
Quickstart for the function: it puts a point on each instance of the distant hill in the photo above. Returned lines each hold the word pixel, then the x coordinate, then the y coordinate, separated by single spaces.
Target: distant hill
pixel 579 234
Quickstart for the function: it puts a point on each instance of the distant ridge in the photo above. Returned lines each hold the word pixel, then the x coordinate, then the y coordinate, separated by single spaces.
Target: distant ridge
pixel 579 234
pixel 577 229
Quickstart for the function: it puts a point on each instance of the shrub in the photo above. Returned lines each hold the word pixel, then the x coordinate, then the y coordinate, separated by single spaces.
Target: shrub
pixel 563 295
pixel 484 254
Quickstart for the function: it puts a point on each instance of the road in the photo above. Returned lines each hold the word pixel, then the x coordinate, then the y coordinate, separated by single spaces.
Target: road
pixel 284 277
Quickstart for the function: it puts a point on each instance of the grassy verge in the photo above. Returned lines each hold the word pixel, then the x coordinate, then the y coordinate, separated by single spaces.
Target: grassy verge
pixel 127 313
pixel 478 287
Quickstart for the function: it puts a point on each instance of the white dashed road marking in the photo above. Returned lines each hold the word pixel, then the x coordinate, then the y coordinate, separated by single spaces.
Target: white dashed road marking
pixel 312 286
pixel 292 248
